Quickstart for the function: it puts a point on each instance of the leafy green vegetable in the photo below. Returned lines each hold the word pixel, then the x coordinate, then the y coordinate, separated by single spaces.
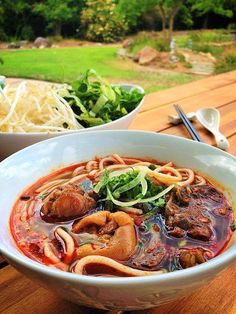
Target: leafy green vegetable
pixel 127 189
pixel 95 101
pixel 233 225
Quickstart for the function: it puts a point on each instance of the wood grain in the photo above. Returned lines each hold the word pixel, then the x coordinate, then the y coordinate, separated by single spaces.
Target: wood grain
pixel 157 118
pixel 186 91
pixel 20 295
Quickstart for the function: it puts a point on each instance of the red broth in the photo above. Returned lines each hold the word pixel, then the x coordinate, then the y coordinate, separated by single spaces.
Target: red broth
pixel 167 238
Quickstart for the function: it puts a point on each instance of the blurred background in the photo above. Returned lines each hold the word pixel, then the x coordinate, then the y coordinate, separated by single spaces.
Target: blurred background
pixel 154 43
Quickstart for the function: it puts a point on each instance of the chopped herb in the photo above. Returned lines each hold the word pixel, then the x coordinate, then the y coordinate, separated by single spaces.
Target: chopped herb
pixel 152 167
pixel 130 188
pixel 95 101
pixel 182 243
pixel 233 225
pixel 65 125
pixel 42 196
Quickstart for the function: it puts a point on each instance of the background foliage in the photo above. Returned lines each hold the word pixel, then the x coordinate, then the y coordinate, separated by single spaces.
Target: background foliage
pixel 101 21
pixel 108 20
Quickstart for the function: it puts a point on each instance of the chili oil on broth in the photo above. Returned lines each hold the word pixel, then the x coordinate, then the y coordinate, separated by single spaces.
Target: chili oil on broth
pixel 156 249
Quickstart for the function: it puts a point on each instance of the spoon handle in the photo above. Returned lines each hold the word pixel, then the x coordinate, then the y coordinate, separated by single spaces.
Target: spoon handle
pixel 221 140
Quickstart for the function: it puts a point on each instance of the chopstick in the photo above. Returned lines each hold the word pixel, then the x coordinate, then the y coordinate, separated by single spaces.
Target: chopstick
pixel 191 130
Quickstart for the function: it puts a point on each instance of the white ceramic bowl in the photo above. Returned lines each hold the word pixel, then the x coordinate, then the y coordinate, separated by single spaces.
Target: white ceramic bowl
pixel 12 142
pixel 26 166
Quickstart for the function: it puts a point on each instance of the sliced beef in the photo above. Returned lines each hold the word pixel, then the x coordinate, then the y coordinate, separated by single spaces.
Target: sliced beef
pixel 66 202
pixel 149 260
pixel 191 257
pixel 189 209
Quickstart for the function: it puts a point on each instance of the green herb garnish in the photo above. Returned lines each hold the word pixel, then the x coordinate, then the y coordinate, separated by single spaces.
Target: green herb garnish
pixel 95 101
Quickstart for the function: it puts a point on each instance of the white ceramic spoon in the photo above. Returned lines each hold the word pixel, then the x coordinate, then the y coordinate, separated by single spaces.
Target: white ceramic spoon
pixel 210 119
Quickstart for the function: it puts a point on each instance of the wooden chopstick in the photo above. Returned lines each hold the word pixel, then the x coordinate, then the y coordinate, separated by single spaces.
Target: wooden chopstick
pixel 191 130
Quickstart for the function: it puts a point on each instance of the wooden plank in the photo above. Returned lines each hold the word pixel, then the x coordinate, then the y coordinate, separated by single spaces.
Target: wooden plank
pixel 228 123
pixel 1 259
pixel 217 297
pixel 20 295
pixel 13 287
pixel 232 141
pixel 158 118
pixel 51 304
pixel 181 92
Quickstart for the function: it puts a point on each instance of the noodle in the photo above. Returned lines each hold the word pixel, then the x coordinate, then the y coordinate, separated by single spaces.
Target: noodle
pixel 118 216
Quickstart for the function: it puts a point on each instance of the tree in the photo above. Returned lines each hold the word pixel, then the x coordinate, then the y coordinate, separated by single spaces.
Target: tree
pixel 204 7
pixel 132 10
pixel 57 12
pixel 168 10
pixel 14 16
pixel 101 22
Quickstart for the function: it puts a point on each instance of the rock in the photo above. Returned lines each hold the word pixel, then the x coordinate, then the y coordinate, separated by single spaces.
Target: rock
pixel 186 56
pixel 121 53
pixel 23 43
pixel 13 45
pixel 147 55
pixel 135 58
pixel 211 57
pixel 127 43
pixel 173 58
pixel 202 68
pixel 41 42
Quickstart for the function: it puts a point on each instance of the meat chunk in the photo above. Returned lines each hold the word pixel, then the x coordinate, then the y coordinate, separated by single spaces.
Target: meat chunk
pixel 67 202
pixel 189 211
pixel 200 232
pixel 116 237
pixel 191 257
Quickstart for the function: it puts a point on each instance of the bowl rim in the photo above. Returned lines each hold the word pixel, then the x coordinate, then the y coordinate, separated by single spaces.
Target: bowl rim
pixel 216 263
pixel 92 128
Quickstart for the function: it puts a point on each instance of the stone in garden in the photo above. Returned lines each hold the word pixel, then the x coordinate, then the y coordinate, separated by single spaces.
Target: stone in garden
pixel 147 55
pixel 121 53
pixel 23 43
pixel 127 43
pixel 211 57
pixel 13 45
pixel 41 42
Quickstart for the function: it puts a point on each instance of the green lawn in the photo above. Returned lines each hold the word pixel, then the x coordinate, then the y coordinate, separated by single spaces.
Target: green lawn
pixel 65 64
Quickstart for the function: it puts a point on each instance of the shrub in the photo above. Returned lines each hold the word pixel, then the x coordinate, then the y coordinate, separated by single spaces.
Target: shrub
pixel 3 36
pixel 55 39
pixel 101 22
pixel 210 36
pixel 216 51
pixel 145 39
pixel 228 63
pixel 27 33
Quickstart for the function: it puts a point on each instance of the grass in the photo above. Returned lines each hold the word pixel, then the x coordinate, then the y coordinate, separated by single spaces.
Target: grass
pixel 65 64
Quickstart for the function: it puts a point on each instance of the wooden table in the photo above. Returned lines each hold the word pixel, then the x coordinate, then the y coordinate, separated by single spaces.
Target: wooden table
pixel 20 295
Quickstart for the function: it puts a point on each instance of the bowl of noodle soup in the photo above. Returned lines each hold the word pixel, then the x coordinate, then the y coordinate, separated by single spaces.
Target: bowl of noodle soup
pixel 31 111
pixel 37 179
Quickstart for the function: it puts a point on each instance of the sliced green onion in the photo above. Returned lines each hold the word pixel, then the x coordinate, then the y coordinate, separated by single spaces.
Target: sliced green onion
pixel 153 198
pixel 130 185
pixel 119 203
pixel 144 186
pixel 119 172
pixel 102 100
pixel 104 180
